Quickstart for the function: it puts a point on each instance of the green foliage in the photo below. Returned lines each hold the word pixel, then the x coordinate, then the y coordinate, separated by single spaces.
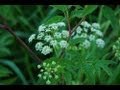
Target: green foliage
pixel 79 66
pixel 83 12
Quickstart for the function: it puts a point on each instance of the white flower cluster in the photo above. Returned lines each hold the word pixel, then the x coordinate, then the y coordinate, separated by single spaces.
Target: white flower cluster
pixel 49 36
pixel 48 71
pixel 116 48
pixel 89 33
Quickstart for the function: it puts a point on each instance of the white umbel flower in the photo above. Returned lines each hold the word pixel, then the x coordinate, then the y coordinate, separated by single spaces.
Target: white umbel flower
pixel 48 38
pixel 76 36
pixel 96 25
pixel 40 35
pixel 79 29
pixel 86 44
pixel 65 34
pixel 85 24
pixel 85 29
pixel 39 46
pixel 57 35
pixel 92 37
pixel 54 26
pixel 100 43
pixel 53 43
pixel 83 35
pixel 93 29
pixel 31 38
pixel 48 82
pixel 46 50
pixel 99 33
pixel 61 24
pixel 63 44
pixel 41 28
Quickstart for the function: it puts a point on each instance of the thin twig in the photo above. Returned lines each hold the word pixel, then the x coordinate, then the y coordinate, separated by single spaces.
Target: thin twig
pixel 7 28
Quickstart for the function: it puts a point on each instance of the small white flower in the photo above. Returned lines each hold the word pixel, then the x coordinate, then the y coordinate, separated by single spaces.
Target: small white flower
pixel 48 82
pixel 54 26
pixel 76 36
pixel 96 25
pixel 31 38
pixel 46 50
pixel 46 73
pixel 85 24
pixel 44 63
pixel 53 62
pixel 63 44
pixel 39 75
pixel 40 35
pixel 93 29
pixel 38 66
pixel 57 35
pixel 92 37
pixel 41 70
pixel 50 76
pixel 48 38
pixel 41 28
pixel 79 29
pixel 99 33
pixel 48 30
pixel 85 29
pixel 55 69
pixel 53 43
pixel 84 35
pixel 38 46
pixel 100 43
pixel 44 77
pixel 65 33
pixel 86 44
pixel 56 76
pixel 61 24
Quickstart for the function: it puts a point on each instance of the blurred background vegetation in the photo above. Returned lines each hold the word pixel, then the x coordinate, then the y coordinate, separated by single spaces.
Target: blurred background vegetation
pixel 16 65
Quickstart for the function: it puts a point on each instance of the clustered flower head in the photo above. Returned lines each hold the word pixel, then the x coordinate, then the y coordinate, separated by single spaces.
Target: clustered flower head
pixel 89 33
pixel 50 36
pixel 49 71
pixel 116 48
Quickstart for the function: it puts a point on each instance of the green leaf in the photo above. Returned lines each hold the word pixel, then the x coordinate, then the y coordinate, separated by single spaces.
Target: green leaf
pixel 6 10
pixel 89 9
pixel 4 71
pixel 15 69
pixel 67 77
pixel 55 19
pixel 89 72
pixel 86 11
pixel 8 81
pixel 104 65
pixel 110 15
pixel 60 7
pixel 4 52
